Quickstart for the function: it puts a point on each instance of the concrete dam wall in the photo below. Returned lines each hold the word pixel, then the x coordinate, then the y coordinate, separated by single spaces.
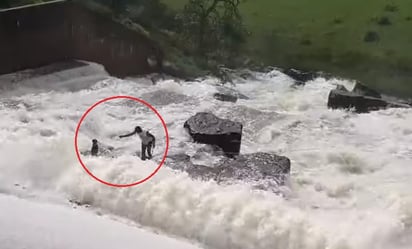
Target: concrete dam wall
pixel 37 35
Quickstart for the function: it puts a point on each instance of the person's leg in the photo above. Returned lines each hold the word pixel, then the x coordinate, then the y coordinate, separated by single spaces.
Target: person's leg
pixel 143 156
pixel 149 150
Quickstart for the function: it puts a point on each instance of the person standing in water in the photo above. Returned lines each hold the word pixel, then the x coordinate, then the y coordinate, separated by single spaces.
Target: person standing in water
pixel 148 141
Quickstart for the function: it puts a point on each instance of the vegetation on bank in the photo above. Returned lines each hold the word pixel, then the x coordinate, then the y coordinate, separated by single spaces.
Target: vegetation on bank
pixel 366 40
pixel 204 34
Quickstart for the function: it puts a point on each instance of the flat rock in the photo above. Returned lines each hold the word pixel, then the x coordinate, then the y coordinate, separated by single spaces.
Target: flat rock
pixel 255 167
pixel 251 168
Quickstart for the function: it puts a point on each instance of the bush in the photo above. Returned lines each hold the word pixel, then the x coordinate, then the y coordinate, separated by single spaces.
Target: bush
pixel 391 8
pixel 337 21
pixel 384 21
pixel 371 36
pixel 212 26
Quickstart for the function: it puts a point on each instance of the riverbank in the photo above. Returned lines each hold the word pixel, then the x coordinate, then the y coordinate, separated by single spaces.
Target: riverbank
pixel 368 42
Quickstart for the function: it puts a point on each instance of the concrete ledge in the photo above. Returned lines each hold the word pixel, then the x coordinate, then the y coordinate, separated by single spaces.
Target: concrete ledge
pixel 40 34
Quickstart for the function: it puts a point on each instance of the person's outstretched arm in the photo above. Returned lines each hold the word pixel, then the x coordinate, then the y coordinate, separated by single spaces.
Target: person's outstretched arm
pixel 127 135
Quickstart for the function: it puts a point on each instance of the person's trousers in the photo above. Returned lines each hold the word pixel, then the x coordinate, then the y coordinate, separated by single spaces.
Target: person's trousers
pixel 148 148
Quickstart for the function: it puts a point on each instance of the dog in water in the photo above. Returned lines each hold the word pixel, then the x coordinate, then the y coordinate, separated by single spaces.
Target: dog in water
pixel 95 147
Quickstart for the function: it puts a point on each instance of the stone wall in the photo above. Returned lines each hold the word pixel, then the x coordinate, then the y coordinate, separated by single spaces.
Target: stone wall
pixel 37 35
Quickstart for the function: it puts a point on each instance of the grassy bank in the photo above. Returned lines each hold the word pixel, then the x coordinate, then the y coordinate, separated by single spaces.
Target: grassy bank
pixel 332 36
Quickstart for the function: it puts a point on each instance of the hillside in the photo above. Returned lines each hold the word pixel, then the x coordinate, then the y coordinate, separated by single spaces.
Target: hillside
pixel 330 36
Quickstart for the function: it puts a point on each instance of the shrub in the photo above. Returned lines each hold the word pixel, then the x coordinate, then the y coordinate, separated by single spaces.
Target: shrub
pixel 371 36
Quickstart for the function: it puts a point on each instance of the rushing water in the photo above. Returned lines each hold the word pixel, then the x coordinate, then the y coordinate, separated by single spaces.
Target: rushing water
pixel 350 184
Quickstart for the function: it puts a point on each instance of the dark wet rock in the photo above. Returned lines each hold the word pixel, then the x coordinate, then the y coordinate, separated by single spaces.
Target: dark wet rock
pixel 225 97
pixel 256 167
pixel 80 203
pixel 339 99
pixel 300 77
pixel 261 169
pixel 366 91
pixel 206 128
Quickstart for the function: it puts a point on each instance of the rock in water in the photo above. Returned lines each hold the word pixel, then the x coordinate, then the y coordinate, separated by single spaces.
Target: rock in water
pixel 231 92
pixel 361 100
pixel 366 91
pixel 206 128
pixel 255 167
pixel 339 99
pixel 262 170
pixel 225 97
pixel 299 76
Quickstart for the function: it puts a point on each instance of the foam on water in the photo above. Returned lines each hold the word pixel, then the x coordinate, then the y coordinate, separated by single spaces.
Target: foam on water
pixel 350 183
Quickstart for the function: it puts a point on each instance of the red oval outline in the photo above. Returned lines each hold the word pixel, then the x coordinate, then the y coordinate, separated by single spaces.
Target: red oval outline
pixel 137 100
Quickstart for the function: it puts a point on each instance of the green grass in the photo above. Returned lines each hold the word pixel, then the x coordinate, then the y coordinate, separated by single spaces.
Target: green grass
pixel 329 36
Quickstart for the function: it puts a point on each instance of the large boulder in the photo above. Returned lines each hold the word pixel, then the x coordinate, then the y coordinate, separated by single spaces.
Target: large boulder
pixel 256 168
pixel 206 128
pixel 341 99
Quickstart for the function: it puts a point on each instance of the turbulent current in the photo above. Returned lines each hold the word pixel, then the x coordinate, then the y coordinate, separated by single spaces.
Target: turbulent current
pixel 350 185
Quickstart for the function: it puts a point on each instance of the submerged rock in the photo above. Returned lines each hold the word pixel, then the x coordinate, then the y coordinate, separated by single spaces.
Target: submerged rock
pixel 300 77
pixel 179 161
pixel 232 92
pixel 225 97
pixel 206 128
